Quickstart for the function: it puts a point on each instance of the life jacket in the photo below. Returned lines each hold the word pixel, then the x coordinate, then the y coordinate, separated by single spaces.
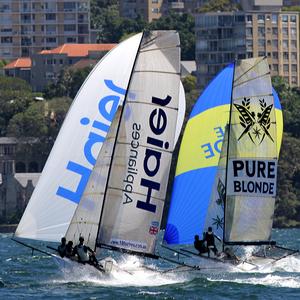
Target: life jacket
pixel 82 253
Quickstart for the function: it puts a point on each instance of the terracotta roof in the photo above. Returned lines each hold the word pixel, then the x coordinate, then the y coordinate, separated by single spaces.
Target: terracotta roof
pixel 22 62
pixel 85 62
pixel 77 50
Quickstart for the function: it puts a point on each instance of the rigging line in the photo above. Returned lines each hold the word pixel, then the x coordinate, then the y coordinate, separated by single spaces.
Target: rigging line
pixel 119 189
pixel 147 103
pixel 148 147
pixel 250 68
pixel 162 48
pixel 256 96
pixel 157 71
pixel 251 79
pixel 117 133
pixel 227 158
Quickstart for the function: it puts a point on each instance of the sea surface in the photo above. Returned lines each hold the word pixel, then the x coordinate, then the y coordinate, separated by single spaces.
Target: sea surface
pixel 37 276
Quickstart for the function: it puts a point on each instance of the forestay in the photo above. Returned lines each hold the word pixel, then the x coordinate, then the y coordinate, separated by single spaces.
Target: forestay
pixel 74 153
pixel 252 155
pixel 139 173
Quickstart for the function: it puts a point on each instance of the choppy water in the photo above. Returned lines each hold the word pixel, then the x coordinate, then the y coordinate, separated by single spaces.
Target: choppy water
pixel 23 276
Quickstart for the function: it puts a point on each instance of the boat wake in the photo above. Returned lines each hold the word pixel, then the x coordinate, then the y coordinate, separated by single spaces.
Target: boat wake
pixel 128 271
pixel 268 280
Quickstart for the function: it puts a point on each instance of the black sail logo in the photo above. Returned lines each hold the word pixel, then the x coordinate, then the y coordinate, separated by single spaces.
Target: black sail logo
pixel 256 125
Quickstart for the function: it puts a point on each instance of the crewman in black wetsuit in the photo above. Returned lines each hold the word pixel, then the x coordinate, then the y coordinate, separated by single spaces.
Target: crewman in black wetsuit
pixel 210 241
pixel 62 247
pixel 69 249
pixel 199 245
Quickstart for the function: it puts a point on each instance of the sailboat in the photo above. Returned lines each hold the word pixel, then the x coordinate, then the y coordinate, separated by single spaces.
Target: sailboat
pixel 231 185
pixel 117 201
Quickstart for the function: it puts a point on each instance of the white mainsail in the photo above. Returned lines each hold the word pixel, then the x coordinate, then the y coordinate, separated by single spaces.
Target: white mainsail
pixel 252 155
pixel 139 173
pixel 74 153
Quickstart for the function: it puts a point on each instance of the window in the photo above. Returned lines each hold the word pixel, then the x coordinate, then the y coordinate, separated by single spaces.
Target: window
pixel 69 27
pixel 275 55
pixel 249 31
pixel 285 44
pixel 285 68
pixel 249 43
pixel 261 43
pixel 293 32
pixel 285 31
pixel 260 18
pixel 294 80
pixel 284 19
pixel 274 19
pixel 285 55
pixel 70 39
pixel 249 19
pixel 261 53
pixel 275 44
pixel 6 40
pixel 50 17
pixel 275 68
pixel 275 31
pixel 293 19
pixel 250 54
pixel 69 6
pixel 294 55
pixel 155 10
pixel 51 40
pixel 294 68
pixel 293 44
pixel 261 31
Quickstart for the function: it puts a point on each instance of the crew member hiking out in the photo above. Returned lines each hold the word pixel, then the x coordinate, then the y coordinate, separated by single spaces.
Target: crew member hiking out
pixel 199 245
pixel 84 253
pixel 62 247
pixel 210 241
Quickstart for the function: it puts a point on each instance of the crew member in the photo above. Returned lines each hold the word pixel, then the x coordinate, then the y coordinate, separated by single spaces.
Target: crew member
pixel 210 241
pixel 62 247
pixel 199 245
pixel 84 253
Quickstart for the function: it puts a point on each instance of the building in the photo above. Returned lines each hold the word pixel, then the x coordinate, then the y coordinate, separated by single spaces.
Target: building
pixel 15 188
pixel 291 2
pixel 222 37
pixel 20 68
pixel 27 27
pixel 45 67
pixel 153 9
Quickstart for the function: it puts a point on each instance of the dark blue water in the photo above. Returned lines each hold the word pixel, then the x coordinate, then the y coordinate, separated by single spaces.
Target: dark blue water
pixel 23 276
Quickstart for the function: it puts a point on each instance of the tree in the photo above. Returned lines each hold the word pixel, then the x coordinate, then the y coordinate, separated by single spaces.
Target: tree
pixel 219 5
pixel 15 97
pixel 185 25
pixel 189 83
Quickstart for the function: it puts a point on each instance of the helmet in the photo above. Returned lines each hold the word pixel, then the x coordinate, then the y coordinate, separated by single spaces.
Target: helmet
pixel 81 239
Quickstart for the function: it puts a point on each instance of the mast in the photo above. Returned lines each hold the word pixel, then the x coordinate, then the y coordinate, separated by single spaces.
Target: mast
pixel 228 138
pixel 115 142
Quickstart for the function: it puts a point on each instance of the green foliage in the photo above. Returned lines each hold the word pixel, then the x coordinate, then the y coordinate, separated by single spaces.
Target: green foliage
pixel 68 83
pixel 30 123
pixel 219 5
pixel 185 25
pixel 189 83
pixel 15 97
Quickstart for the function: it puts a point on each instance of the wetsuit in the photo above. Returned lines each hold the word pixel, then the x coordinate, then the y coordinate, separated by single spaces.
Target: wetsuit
pixel 62 250
pixel 210 242
pixel 199 245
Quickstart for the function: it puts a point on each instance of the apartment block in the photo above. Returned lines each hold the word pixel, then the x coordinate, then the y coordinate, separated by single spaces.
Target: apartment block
pixel 29 26
pixel 153 9
pixel 224 37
